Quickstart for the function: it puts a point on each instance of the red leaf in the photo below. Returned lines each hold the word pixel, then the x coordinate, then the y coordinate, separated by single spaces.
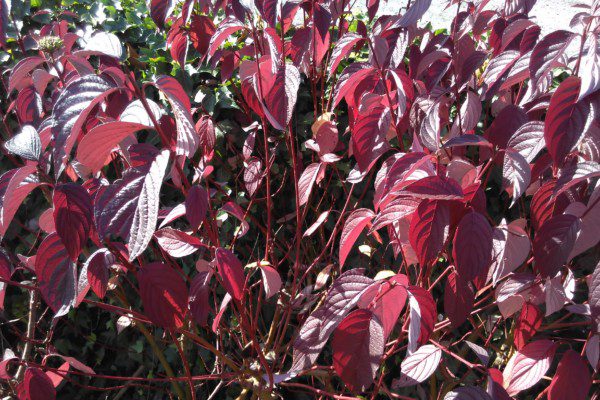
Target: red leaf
pixel 342 48
pixel 429 229
pixel 70 112
pixel 458 300
pixel 271 280
pixel 177 243
pixel 72 216
pixel 511 246
pixel 196 205
pixel 279 93
pixel 225 29
pixel 423 314
pixel 129 206
pixel 472 261
pixel 528 140
pixel 98 270
pixel 387 301
pixel 307 181
pixel 20 182
pixel 429 133
pixel 527 325
pixel 206 132
pixel 36 385
pixel 94 149
pixel 553 243
pixel 22 69
pixel 187 138
pixel 164 295
pixel 344 294
pixel 516 174
pixel 547 53
pixel 544 205
pixel 160 11
pixel 231 272
pixel 358 345
pixel 527 366
pixel 56 275
pixel 572 379
pixel 26 144
pixel 565 120
pixel 252 174
pixel 590 68
pixel 201 30
pixel 353 227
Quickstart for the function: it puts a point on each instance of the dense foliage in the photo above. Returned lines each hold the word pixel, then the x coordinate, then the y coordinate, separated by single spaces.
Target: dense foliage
pixel 288 199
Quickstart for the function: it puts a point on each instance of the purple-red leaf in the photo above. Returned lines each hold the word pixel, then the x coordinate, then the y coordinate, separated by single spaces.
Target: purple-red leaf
pixel 429 229
pixel 177 243
pixel 472 261
pixel 314 333
pixel 418 366
pixel 422 316
pixel 196 205
pixel 547 53
pixel 516 174
pixel 565 120
pixel 187 138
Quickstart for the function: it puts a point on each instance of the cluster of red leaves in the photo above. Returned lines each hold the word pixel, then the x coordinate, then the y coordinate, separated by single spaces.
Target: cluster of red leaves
pixel 478 163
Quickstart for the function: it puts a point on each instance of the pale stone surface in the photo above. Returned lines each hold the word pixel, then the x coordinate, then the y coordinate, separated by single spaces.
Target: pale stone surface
pixel 551 15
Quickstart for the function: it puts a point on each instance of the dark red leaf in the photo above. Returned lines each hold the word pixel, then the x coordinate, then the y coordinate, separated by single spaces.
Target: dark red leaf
pixel 56 275
pixel 553 243
pixel 164 295
pixel 458 300
pixel 572 379
pixel 196 205
pixel 72 216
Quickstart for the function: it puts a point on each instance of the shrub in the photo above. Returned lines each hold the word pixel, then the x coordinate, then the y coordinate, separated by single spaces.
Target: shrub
pixel 300 202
